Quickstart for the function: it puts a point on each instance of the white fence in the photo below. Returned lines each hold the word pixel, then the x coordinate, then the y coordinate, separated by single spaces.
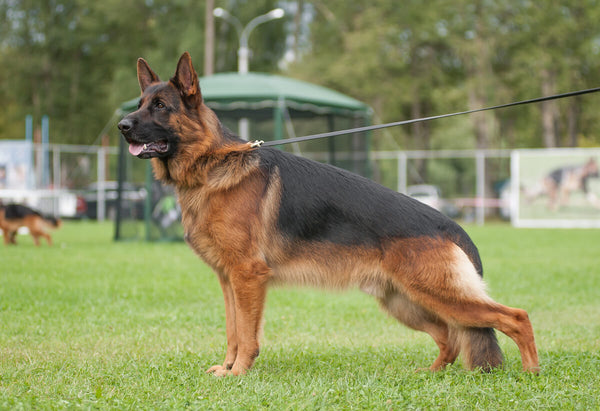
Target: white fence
pixel 480 183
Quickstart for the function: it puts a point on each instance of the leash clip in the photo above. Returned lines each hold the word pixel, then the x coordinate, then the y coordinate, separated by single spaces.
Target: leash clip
pixel 256 143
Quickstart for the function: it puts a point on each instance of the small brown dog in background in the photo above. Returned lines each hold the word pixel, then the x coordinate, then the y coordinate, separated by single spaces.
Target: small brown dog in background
pixel 15 216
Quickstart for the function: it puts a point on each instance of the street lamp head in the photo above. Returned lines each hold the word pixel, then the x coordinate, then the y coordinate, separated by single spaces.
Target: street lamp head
pixel 244 33
pixel 276 13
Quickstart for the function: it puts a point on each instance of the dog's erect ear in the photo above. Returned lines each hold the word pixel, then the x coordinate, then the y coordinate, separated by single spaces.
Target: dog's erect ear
pixel 186 80
pixel 145 74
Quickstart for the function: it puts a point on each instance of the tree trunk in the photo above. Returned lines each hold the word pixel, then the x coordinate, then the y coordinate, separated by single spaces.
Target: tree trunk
pixel 221 46
pixel 420 136
pixel 549 110
pixel 480 122
pixel 209 39
pixel 572 129
pixel 297 28
pixel 480 71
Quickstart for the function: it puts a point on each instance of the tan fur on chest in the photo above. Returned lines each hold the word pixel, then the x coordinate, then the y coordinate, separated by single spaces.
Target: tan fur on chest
pixel 224 219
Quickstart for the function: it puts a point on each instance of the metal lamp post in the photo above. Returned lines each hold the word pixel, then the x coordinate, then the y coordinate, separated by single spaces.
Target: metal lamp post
pixel 243 50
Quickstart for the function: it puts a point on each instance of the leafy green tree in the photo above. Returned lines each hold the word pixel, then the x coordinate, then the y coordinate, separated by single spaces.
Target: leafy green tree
pixel 417 59
pixel 74 60
pixel 554 49
pixel 59 59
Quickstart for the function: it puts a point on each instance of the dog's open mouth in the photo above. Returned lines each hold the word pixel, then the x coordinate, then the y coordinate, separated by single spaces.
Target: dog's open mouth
pixel 147 150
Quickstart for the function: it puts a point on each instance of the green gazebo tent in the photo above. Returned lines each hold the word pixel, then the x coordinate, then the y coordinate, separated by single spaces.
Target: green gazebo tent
pixel 276 107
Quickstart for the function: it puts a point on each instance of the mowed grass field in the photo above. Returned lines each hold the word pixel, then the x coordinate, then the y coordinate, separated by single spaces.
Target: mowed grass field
pixel 94 324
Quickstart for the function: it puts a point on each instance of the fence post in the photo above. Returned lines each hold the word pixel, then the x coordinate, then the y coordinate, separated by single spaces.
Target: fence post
pixel 401 157
pixel 480 178
pixel 120 180
pixel 101 206
pixel 56 177
pixel 45 154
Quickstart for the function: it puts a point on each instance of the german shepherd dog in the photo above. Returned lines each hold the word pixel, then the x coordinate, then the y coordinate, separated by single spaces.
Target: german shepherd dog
pixel 259 216
pixel 560 183
pixel 15 216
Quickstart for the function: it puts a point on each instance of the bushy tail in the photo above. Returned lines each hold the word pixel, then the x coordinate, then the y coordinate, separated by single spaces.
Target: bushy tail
pixel 479 348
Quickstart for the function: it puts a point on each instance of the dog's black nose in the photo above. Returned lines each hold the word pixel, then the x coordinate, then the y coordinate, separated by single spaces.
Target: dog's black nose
pixel 125 125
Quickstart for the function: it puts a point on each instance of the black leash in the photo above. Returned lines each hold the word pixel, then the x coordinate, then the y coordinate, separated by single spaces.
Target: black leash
pixel 416 120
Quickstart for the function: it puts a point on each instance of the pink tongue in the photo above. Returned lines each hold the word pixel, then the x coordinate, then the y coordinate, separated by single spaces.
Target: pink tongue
pixel 136 149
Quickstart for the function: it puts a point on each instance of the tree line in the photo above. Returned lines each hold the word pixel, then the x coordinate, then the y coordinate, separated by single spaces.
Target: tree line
pixel 74 60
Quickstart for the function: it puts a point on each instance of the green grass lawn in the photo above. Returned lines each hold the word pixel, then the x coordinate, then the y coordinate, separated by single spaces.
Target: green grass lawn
pixel 90 323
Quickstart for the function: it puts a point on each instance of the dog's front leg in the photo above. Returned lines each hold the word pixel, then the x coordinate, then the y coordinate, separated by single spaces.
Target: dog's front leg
pixel 249 288
pixel 230 329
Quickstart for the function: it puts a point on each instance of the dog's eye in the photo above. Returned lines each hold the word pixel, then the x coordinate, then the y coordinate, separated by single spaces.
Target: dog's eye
pixel 159 105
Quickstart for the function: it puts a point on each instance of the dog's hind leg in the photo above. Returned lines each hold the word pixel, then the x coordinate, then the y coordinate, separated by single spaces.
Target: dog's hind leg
pixel 37 230
pixel 476 319
pixel 482 316
pixel 514 322
pixel 36 238
pixel 419 319
pixel 46 236
pixel 443 280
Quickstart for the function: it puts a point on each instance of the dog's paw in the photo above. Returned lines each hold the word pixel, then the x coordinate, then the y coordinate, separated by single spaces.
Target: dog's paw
pixel 217 370
pixel 221 371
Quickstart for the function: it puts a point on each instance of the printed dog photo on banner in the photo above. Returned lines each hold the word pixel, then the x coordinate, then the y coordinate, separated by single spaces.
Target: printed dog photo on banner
pixel 556 188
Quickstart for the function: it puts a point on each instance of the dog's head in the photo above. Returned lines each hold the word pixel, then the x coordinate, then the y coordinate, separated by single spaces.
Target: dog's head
pixel 170 114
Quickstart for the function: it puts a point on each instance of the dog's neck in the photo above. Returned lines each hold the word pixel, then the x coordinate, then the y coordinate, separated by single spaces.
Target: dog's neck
pixel 216 168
